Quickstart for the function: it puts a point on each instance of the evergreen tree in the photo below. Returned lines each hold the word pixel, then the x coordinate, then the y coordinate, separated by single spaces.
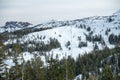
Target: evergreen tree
pixel 54 69
pixel 106 74
pixel 16 51
pixel 29 72
pixel 3 68
pixel 70 68
pixel 38 68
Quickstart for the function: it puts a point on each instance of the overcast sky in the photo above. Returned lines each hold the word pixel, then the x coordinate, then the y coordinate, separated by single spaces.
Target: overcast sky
pixel 37 11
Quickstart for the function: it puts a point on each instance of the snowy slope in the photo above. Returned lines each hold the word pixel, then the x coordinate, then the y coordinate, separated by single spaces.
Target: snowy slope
pixel 65 31
pixel 73 31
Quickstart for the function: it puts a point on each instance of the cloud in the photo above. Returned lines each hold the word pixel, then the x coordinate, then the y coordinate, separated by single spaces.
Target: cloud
pixel 41 10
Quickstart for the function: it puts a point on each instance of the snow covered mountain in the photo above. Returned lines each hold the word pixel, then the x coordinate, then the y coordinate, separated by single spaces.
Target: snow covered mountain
pixel 59 38
pixel 72 37
pixel 14 25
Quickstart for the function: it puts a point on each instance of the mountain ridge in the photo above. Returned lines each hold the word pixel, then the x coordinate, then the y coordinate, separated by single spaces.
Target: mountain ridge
pixel 58 23
pixel 83 35
pixel 79 41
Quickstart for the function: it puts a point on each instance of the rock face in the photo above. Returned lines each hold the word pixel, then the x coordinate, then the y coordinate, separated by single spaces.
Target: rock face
pixel 13 24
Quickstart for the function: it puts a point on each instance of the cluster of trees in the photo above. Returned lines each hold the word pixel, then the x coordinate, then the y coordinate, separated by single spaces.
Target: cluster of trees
pixel 95 38
pixel 98 65
pixel 107 31
pixel 82 44
pixel 36 70
pixel 19 33
pixel 53 43
pixel 114 39
pixel 41 46
pixel 88 29
pixel 110 19
pixel 82 26
pixel 67 45
pixel 2 57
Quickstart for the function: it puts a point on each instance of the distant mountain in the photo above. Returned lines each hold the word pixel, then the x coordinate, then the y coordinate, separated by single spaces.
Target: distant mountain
pixel 117 13
pixel 14 25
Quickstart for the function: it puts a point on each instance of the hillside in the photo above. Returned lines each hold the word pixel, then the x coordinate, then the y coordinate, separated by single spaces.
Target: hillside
pixel 21 42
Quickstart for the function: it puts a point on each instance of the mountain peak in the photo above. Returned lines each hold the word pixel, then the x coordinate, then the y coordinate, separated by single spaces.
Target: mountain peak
pixel 117 12
pixel 13 24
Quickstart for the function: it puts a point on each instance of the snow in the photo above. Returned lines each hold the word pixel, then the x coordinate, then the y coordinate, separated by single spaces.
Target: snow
pixel 71 33
pixel 27 56
pixel 117 13
pixel 68 33
pixel 10 41
pixel 65 31
pixel 14 28
pixel 79 77
pixel 9 63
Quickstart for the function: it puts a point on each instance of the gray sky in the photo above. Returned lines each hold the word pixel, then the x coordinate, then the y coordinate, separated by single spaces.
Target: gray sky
pixel 37 11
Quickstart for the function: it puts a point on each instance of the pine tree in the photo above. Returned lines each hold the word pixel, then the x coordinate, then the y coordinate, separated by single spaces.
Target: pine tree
pixel 3 73
pixel 106 74
pixel 84 73
pixel 38 68
pixel 28 71
pixel 54 69
pixel 16 51
pixel 70 68
pixel 92 77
